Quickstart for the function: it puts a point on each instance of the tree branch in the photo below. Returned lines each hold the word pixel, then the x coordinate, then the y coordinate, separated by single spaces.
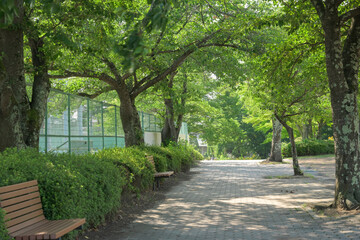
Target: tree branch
pixel 112 68
pixel 320 8
pixel 350 14
pixel 97 93
pixel 178 62
pixel 219 11
pixel 88 74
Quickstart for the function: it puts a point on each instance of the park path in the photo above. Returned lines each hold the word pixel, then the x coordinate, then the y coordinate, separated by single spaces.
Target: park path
pixel 235 200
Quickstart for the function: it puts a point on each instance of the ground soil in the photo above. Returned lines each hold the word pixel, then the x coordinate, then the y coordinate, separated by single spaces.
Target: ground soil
pixel 326 210
pixel 133 205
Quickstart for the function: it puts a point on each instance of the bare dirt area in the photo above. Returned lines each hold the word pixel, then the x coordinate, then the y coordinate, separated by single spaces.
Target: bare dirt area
pixel 327 211
pixel 132 206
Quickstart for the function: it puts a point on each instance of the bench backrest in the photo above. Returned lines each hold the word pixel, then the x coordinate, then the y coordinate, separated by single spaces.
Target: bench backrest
pixel 22 205
pixel 151 160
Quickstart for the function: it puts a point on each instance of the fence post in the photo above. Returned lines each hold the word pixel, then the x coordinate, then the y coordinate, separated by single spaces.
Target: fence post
pixel 46 127
pixel 102 125
pixel 88 123
pixel 69 122
pixel 116 138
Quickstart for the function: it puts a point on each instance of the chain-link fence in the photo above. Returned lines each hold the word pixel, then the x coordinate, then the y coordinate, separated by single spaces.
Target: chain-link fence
pixel 77 124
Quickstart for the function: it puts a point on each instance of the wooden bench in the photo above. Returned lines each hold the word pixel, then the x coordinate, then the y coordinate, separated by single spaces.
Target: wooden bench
pixel 158 175
pixel 24 216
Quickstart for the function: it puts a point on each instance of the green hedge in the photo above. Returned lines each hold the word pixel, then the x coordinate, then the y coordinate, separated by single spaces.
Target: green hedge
pixel 175 157
pixel 309 147
pixel 88 186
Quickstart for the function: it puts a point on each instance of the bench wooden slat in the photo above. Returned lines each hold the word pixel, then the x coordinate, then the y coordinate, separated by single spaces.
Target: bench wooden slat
pixel 37 225
pixel 19 199
pixel 67 226
pixel 24 218
pixel 23 211
pixel 51 229
pixel 18 206
pixel 17 193
pixel 18 186
pixel 25 224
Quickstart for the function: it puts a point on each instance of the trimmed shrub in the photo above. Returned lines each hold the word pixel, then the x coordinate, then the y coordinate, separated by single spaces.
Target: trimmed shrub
pixel 175 157
pixel 71 186
pixel 133 164
pixel 309 147
pixel 88 186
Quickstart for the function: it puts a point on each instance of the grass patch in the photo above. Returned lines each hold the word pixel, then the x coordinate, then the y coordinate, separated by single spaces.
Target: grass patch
pixel 306 175
pixel 317 156
pixel 266 162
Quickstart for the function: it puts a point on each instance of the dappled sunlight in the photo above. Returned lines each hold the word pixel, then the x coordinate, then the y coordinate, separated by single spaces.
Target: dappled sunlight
pixel 233 200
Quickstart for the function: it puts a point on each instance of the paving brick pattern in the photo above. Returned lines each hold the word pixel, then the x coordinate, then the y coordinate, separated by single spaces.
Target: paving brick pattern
pixel 234 200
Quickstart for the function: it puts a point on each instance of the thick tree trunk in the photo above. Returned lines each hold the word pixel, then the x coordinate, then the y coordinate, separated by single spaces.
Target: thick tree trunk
pixel 170 132
pixel 275 154
pixel 130 119
pixel 13 98
pixel 40 93
pixel 290 131
pixel 342 71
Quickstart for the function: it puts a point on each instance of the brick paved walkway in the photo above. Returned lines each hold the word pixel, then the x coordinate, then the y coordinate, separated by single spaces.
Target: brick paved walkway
pixel 233 200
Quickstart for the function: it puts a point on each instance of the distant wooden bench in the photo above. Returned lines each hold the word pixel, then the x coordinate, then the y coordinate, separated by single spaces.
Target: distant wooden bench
pixel 158 175
pixel 24 215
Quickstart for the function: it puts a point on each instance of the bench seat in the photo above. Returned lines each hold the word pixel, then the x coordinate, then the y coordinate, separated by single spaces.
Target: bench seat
pixel 24 216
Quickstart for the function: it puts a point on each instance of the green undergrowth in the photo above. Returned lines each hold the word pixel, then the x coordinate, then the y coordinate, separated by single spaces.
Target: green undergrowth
pixel 309 147
pixel 89 186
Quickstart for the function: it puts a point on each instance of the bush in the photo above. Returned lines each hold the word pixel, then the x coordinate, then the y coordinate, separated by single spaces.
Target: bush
pixel 133 164
pixel 88 186
pixel 175 157
pixel 71 186
pixel 309 147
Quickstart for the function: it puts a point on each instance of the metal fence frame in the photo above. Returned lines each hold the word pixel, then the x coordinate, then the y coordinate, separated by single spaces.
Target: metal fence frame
pixel 149 123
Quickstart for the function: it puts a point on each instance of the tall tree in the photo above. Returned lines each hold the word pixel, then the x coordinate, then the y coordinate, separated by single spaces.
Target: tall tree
pixel 342 64
pixel 275 152
pixel 14 105
pixel 155 56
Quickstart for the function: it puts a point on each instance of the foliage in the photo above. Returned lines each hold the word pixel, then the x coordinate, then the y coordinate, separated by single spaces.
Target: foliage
pixel 309 147
pixel 138 172
pixel 89 186
pixel 3 231
pixel 175 157
pixel 70 186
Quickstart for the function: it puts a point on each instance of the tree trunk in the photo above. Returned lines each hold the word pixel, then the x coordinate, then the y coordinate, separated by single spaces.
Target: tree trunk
pixel 169 133
pixel 171 129
pixel 305 129
pixel 342 71
pixel 13 98
pixel 275 154
pixel 40 92
pixel 321 124
pixel 130 119
pixel 290 131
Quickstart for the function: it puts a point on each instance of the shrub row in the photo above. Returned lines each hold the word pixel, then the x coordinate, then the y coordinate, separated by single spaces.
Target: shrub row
pixel 309 147
pixel 89 186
